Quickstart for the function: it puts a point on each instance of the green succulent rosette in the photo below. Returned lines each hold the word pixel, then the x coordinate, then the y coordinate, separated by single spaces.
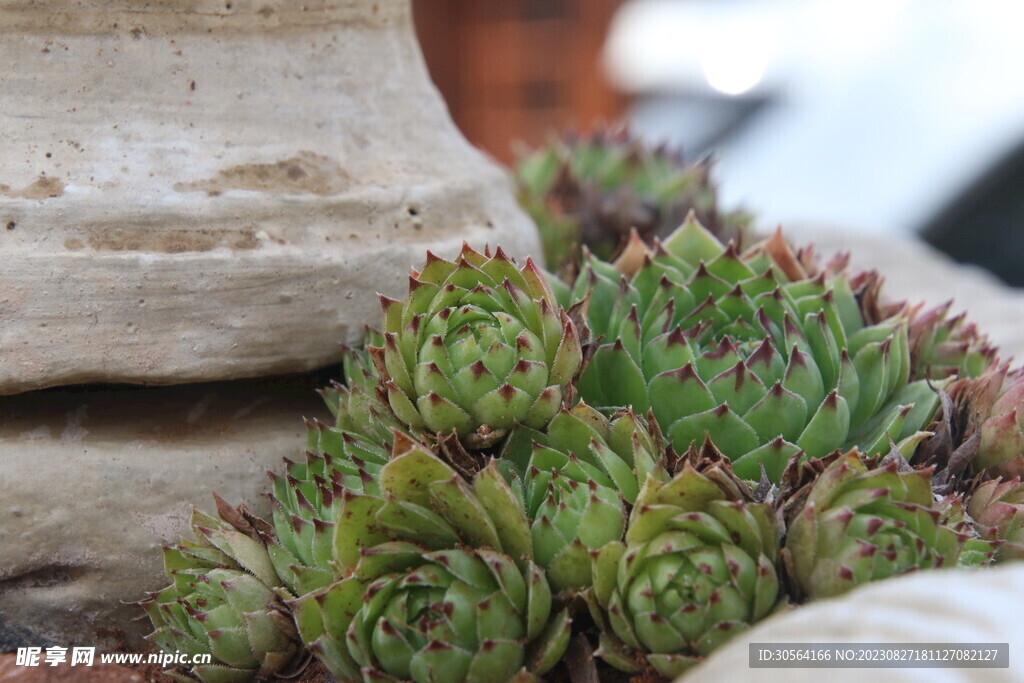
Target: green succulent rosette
pixel 223 602
pixel 458 616
pixel 451 615
pixel 856 522
pixel 997 507
pixel 476 347
pixel 981 545
pixel 312 495
pixel 1001 447
pixel 350 495
pixel 757 350
pixel 697 568
pixel 577 478
pixel 590 191
pixel 425 500
pixel 943 346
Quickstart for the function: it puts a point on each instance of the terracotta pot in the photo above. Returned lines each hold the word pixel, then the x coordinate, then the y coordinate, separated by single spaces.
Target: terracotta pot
pixel 198 189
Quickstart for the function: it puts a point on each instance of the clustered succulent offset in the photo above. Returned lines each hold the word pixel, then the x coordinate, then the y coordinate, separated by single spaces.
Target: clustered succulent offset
pixel 590 191
pixel 1001 444
pixel 998 508
pixel 223 603
pixel 696 567
pixel 577 479
pixel 754 349
pixel 453 614
pixel 623 471
pixel 477 346
pixel 852 524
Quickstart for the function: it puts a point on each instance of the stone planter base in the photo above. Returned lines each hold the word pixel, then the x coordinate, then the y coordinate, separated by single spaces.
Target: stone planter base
pixel 95 479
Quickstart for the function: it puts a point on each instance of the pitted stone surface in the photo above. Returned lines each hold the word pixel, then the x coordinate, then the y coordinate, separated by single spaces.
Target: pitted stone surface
pixel 204 190
pixel 95 479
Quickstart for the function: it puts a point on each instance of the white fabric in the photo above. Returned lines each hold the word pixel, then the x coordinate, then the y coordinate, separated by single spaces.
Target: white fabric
pixel 939 606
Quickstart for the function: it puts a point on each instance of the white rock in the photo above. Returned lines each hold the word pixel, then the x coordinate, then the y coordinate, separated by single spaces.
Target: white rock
pixel 216 189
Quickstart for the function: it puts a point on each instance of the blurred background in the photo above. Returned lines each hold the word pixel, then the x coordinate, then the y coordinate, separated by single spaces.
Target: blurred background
pixel 900 117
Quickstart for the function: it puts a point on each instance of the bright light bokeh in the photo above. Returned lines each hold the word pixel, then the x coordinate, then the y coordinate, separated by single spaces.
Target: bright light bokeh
pixel 735 66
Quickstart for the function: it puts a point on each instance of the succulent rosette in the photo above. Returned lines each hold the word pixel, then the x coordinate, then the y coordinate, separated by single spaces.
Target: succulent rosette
pixel 998 510
pixel 942 345
pixel 576 478
pixel 856 522
pixel 1001 448
pixel 349 495
pixel 981 544
pixel 459 615
pixel 363 514
pixel 697 567
pixel 592 190
pixel 453 615
pixel 476 347
pixel 424 500
pixel 339 467
pixel 758 350
pixel 222 602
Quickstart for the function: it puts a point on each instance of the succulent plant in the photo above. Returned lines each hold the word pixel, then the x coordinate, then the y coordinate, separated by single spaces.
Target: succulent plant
pixel 223 602
pixel 941 346
pixel 489 466
pixel 574 477
pixel 422 499
pixel 452 615
pixel 312 496
pixel 349 495
pixel 459 615
pixel 981 544
pixel 1001 447
pixel 356 403
pixel 998 510
pixel 477 346
pixel 350 514
pixel 856 521
pixel 759 350
pixel 592 190
pixel 697 567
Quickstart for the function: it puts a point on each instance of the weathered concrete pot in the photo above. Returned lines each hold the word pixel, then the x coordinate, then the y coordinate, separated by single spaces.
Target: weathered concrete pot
pixel 93 480
pixel 207 189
